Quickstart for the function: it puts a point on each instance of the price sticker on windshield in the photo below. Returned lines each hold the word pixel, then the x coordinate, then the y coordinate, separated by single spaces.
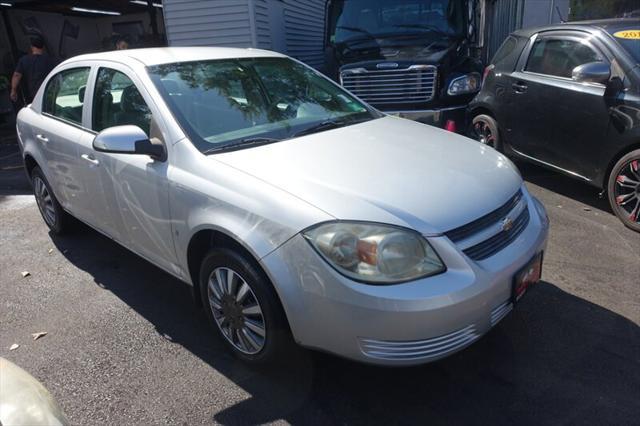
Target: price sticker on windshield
pixel 628 34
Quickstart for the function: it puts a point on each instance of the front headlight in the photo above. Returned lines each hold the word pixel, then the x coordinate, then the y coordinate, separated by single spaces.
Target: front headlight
pixel 377 254
pixel 468 83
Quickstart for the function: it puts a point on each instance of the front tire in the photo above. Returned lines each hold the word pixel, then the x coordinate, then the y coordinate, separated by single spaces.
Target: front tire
pixel 484 129
pixel 241 304
pixel 624 190
pixel 52 212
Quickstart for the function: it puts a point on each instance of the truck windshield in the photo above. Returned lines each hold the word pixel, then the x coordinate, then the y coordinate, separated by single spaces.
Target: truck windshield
pixel 237 103
pixel 351 20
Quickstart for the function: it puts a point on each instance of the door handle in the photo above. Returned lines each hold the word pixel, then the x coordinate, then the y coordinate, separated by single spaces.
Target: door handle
pixel 90 159
pixel 519 87
pixel 42 138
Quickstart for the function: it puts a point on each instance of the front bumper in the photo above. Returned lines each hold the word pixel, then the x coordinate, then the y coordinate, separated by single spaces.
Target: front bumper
pixel 435 117
pixel 403 324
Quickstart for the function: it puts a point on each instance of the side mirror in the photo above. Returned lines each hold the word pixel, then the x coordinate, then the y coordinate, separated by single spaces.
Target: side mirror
pixel 129 140
pixel 81 93
pixel 592 72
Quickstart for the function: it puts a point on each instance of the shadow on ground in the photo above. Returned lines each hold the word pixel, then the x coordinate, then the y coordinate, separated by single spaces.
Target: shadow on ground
pixel 13 179
pixel 556 359
pixel 559 183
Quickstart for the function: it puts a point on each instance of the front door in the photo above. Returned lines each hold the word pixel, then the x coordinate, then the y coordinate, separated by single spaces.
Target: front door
pixel 61 132
pixel 558 119
pixel 136 187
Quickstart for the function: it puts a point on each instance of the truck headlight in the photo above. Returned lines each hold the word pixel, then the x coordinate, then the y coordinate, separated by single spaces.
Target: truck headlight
pixel 373 253
pixel 468 83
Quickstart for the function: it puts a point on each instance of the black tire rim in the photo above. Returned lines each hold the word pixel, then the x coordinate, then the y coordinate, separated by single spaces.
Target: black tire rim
pixel 627 190
pixel 44 201
pixel 236 310
pixel 483 133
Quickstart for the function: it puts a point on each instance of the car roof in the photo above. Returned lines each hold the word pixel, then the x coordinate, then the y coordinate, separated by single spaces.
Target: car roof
pixel 608 25
pixel 166 55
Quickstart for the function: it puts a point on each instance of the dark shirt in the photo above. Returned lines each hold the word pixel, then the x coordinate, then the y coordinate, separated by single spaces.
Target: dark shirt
pixel 34 69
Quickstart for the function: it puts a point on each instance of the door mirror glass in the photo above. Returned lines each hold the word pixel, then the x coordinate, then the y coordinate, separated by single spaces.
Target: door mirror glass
pixel 129 139
pixel 592 72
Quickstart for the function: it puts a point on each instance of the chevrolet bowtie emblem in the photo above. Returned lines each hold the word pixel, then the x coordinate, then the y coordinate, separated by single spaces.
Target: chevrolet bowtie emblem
pixel 507 224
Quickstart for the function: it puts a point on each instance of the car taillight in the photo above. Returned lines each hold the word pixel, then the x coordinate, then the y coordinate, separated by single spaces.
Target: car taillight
pixel 486 72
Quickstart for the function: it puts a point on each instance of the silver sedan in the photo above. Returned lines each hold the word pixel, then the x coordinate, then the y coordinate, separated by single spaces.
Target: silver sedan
pixel 294 210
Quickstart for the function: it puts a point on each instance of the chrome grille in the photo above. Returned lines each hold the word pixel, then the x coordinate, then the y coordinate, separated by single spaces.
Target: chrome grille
pixel 419 349
pixel 500 240
pixel 485 221
pixel 489 234
pixel 399 86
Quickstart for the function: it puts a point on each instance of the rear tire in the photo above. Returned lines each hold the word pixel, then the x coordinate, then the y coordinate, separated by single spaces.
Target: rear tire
pixel 484 129
pixel 624 190
pixel 58 220
pixel 245 311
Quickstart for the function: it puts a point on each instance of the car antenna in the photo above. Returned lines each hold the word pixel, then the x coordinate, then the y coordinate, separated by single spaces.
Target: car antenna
pixel 562 20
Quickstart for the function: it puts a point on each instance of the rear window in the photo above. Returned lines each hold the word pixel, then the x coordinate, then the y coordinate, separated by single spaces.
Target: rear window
pixel 507 55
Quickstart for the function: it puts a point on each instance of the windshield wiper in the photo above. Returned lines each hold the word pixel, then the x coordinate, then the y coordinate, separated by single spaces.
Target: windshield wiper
pixel 332 124
pixel 325 125
pixel 246 142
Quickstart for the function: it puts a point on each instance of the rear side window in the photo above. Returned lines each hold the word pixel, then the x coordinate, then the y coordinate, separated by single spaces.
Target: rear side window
pixel 505 51
pixel 64 94
pixel 558 57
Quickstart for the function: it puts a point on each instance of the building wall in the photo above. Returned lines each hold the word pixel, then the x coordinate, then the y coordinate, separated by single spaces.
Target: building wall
pixel 544 12
pixel 304 28
pixel 210 23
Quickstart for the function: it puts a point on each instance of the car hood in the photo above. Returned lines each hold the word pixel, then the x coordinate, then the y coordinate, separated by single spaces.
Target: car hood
pixel 387 170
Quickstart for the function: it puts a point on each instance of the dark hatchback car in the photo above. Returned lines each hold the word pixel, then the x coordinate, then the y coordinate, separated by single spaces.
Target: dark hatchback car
pixel 568 97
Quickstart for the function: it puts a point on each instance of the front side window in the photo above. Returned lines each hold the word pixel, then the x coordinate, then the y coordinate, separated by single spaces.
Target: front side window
pixel 558 57
pixel 64 94
pixel 222 103
pixel 117 102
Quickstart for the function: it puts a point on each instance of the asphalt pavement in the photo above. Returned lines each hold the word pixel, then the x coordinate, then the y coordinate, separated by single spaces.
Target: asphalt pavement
pixel 125 344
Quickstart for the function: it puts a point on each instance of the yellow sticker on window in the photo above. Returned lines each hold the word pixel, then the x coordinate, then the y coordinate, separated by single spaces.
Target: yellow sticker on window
pixel 628 34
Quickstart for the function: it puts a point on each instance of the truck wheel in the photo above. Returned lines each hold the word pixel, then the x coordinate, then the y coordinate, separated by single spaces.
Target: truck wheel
pixel 243 307
pixel 624 190
pixel 52 212
pixel 484 129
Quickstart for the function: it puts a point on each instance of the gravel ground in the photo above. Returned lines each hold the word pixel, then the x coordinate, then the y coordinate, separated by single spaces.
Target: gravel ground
pixel 125 344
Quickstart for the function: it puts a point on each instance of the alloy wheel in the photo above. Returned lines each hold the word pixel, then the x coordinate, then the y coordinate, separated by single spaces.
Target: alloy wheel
pixel 627 190
pixel 236 310
pixel 44 201
pixel 483 133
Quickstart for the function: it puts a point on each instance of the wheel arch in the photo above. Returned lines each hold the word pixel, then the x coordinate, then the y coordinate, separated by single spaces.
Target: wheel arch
pixel 603 179
pixel 30 163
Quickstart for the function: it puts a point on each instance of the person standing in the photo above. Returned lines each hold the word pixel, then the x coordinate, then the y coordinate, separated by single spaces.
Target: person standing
pixel 122 43
pixel 31 70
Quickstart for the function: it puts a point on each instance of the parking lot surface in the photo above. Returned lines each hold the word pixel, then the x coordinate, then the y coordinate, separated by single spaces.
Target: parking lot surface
pixel 125 344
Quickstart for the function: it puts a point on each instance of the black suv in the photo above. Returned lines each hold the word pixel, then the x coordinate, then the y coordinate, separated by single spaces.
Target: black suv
pixel 568 97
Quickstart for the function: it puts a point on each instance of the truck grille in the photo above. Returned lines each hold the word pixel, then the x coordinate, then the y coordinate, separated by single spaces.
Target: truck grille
pixel 399 86
pixel 489 234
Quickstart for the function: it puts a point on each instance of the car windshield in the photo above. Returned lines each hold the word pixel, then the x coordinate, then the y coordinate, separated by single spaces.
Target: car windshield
pixel 354 20
pixel 231 103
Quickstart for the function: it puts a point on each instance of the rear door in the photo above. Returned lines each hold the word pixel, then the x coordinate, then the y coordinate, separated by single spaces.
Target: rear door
pixel 556 119
pixel 60 130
